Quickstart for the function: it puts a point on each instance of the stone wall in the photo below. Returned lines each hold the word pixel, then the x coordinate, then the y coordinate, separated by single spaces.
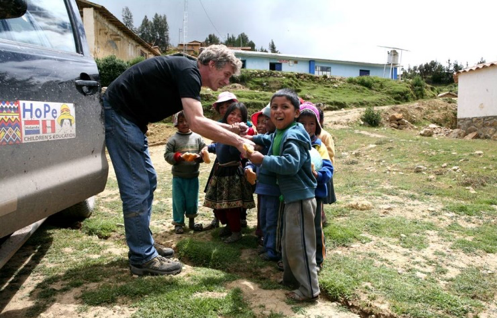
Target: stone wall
pixel 479 127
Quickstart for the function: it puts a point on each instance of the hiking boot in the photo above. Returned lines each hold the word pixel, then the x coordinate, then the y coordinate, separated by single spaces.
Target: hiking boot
pixel 164 251
pixel 157 266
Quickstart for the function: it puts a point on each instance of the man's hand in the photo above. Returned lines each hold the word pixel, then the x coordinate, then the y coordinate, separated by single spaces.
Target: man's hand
pixel 256 157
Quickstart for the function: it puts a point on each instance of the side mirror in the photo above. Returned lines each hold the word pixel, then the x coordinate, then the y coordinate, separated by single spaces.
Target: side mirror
pixel 10 9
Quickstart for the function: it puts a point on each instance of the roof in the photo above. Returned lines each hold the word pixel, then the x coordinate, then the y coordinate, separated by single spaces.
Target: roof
pixel 117 23
pixel 287 56
pixel 474 68
pixel 191 42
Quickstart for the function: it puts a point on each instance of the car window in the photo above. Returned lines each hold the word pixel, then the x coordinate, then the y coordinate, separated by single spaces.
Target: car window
pixel 46 24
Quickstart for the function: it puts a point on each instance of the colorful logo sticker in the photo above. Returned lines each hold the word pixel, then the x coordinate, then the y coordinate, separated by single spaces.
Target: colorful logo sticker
pixel 31 121
pixel 10 123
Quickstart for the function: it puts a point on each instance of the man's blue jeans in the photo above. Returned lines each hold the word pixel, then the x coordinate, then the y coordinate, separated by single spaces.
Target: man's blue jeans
pixel 128 150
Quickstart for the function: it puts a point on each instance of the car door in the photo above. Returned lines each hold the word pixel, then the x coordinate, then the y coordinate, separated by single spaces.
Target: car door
pixel 51 119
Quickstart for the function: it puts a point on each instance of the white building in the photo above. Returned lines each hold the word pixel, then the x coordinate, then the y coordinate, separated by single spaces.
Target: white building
pixel 477 100
pixel 318 66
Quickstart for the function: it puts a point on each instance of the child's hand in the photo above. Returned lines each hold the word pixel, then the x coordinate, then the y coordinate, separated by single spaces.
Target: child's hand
pixel 188 156
pixel 250 175
pixel 205 155
pixel 245 147
pixel 242 128
pixel 178 157
pixel 258 147
pixel 256 157
pixel 314 172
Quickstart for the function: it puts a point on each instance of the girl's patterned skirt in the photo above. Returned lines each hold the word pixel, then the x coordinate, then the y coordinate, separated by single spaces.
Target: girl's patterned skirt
pixel 228 188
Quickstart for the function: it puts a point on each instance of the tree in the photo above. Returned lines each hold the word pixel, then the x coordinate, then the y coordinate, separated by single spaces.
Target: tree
pixel 272 47
pixel 262 49
pixel 242 40
pixel 145 30
pixel 128 19
pixel 230 40
pixel 239 41
pixel 433 72
pixel 212 39
pixel 160 32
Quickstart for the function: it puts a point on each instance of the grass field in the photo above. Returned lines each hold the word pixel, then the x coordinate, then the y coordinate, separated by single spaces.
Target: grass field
pixel 413 234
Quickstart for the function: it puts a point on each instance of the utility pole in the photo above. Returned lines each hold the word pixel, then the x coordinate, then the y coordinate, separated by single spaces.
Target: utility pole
pixel 185 24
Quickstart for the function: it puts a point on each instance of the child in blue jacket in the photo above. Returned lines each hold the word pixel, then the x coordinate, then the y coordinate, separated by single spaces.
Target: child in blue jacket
pixel 289 159
pixel 309 118
pixel 268 194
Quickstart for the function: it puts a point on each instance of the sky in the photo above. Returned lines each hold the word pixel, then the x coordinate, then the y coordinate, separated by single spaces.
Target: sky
pixel 348 30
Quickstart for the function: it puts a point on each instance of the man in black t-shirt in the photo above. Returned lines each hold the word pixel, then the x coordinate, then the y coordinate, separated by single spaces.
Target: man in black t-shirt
pixel 149 92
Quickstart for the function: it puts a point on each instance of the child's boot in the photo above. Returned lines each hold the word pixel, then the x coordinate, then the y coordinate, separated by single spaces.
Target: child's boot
pixel 235 236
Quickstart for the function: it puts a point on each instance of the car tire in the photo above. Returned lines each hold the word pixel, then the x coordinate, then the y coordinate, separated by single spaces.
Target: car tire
pixel 79 211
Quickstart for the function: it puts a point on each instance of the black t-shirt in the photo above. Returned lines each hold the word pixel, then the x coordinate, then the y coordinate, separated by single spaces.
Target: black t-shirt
pixel 152 90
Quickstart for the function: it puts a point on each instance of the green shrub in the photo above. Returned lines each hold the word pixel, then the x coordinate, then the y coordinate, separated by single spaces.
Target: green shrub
pixel 365 81
pixel 371 117
pixel 110 68
pixel 418 87
pixel 136 60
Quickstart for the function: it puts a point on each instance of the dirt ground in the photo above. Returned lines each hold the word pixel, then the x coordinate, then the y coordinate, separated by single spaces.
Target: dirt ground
pixel 67 305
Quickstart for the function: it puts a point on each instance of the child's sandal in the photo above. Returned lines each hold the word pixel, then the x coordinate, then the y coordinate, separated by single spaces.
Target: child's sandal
pixel 178 229
pixel 197 227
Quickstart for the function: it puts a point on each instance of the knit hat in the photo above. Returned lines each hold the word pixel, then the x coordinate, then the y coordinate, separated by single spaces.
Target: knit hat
pixel 266 111
pixel 224 97
pixel 255 117
pixel 309 108
pixel 176 118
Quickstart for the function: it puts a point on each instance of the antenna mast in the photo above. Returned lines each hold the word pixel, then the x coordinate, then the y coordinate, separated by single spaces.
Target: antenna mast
pixel 185 24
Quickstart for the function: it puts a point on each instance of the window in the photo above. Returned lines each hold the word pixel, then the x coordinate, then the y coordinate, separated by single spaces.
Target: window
pixel 275 66
pixel 46 24
pixel 244 63
pixel 363 72
pixel 322 70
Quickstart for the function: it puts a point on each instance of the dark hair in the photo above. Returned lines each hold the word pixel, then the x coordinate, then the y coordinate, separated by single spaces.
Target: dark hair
pixel 288 94
pixel 232 107
pixel 321 115
pixel 310 113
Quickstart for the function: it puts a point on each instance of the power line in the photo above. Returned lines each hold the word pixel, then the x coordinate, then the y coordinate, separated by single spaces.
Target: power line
pixel 211 20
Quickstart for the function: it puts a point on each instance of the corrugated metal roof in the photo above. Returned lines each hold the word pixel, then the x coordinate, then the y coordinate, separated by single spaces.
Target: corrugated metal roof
pixel 115 21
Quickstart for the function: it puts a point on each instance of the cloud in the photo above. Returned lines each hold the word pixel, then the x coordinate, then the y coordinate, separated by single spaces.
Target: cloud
pixel 336 29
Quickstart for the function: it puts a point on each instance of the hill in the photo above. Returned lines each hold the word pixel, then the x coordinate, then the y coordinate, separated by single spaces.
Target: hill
pixel 254 88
